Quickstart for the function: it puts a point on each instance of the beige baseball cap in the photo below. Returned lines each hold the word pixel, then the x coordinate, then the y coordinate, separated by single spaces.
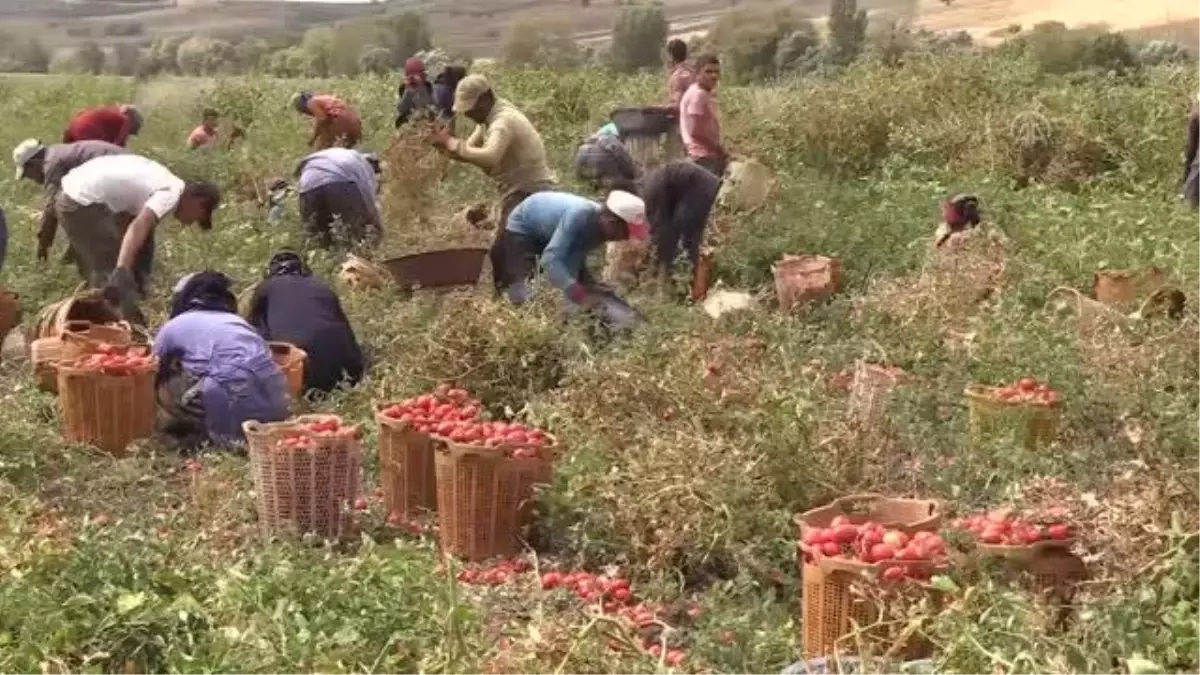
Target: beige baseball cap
pixel 25 151
pixel 470 88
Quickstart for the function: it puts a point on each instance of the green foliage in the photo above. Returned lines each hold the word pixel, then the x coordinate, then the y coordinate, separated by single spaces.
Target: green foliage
pixel 204 56
pixel 1057 49
pixel 541 43
pixel 638 37
pixel 251 54
pixel 847 30
pixel 748 39
pixel 1162 52
pixel 375 60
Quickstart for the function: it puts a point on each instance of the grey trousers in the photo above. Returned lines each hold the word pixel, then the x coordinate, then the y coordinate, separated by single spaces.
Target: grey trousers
pixel 95 235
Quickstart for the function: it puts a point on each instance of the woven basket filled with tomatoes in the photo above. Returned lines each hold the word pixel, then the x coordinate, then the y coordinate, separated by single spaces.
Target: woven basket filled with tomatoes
pixel 486 478
pixel 1036 546
pixel 291 360
pixel 307 472
pixel 1027 407
pixel 406 468
pixel 80 338
pixel 108 399
pixel 888 544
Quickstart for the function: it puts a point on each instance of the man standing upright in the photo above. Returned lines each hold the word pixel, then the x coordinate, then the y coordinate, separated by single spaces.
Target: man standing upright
pixel 679 73
pixel 504 144
pixel 46 166
pixel 698 120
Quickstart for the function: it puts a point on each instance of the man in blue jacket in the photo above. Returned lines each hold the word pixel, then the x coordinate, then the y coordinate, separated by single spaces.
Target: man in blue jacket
pixel 556 231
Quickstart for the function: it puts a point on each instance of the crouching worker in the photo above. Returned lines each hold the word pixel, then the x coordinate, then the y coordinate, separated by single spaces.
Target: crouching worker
pixel 292 306
pixel 215 372
pixel 557 230
pixel 679 199
pixel 959 214
pixel 340 185
pixel 603 161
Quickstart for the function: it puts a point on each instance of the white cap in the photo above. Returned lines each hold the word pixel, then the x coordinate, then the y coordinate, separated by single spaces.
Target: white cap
pixel 631 209
pixel 25 152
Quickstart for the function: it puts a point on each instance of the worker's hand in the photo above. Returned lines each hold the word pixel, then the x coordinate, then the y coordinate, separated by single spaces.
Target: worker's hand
pixel 121 291
pixel 440 136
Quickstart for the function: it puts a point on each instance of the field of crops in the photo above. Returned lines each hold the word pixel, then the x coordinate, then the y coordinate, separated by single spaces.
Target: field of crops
pixel 692 443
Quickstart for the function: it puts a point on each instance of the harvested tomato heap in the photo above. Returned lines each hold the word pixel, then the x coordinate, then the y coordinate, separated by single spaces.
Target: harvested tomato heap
pixel 871 543
pixel 296 441
pixel 611 593
pixel 111 360
pixel 429 413
pixel 1027 390
pixel 515 439
pixel 329 426
pixel 1001 527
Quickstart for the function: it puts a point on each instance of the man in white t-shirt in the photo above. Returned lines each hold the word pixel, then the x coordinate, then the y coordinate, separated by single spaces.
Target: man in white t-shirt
pixel 101 194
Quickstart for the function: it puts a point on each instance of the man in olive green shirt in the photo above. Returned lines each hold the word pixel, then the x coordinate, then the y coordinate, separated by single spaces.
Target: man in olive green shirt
pixel 504 144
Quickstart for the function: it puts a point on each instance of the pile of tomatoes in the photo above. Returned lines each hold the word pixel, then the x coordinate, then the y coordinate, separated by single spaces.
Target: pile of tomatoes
pixel 296 442
pixel 515 439
pixel 497 574
pixel 428 413
pixel 111 360
pixel 1001 527
pixel 332 425
pixel 1027 390
pixel 871 543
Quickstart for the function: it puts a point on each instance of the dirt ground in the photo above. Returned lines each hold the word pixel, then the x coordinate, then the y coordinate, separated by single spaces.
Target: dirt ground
pixel 981 17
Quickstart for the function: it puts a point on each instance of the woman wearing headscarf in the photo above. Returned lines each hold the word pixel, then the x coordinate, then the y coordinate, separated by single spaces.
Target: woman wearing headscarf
pixel 215 372
pixel 293 306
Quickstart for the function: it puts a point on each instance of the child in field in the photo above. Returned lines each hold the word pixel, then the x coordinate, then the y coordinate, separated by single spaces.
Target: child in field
pixel 205 135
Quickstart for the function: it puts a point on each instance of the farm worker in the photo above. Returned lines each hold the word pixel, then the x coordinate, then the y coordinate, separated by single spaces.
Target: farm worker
pixel 444 86
pixel 46 165
pixel 959 213
pixel 603 160
pixel 416 94
pixel 334 121
pixel 111 252
pixel 214 372
pixel 205 135
pixel 339 184
pixel 679 73
pixel 558 230
pixel 293 306
pixel 1191 165
pixel 114 124
pixel 679 198
pixel 698 121
pixel 504 144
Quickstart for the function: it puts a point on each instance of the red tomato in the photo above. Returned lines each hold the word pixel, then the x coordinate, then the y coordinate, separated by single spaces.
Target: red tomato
pixel 838 521
pixel 654 650
pixel 395 519
pixel 882 552
pixel 1027 384
pixel 910 552
pixel 468 576
pixel 1059 531
pixel 992 534
pixel 674 657
pixel 895 539
pixel 845 533
pixel 360 504
pixel 551 580
pixel 895 573
pixel 621 594
pixel 830 548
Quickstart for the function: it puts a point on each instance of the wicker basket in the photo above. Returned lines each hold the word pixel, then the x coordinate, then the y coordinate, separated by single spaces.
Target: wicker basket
pixel 1036 424
pixel 1047 566
pixel 301 491
pixel 405 466
pixel 485 499
pixel 830 607
pixel 291 360
pixel 83 337
pixel 871 391
pixel 44 354
pixel 10 312
pixel 82 305
pixel 107 411
pixel 806 278
pixel 1116 287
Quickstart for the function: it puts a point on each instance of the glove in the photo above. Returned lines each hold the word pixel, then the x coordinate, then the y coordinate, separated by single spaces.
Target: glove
pixel 121 291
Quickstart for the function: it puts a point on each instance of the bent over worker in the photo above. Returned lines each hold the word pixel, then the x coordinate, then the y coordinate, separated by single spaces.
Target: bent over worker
pixel 90 206
pixel 293 306
pixel 112 124
pixel 557 230
pixel 46 165
pixel 679 199
pixel 504 144
pixel 335 122
pixel 1191 161
pixel 339 185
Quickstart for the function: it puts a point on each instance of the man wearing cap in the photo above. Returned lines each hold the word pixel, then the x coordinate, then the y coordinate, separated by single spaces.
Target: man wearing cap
pixel 504 144
pixel 89 208
pixel 113 124
pixel 339 184
pixel 557 230
pixel 46 166
pixel 334 121
pixel 416 94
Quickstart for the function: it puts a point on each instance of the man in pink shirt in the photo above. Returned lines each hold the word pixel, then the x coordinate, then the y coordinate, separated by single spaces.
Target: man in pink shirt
pixel 698 122
pixel 679 73
pixel 205 135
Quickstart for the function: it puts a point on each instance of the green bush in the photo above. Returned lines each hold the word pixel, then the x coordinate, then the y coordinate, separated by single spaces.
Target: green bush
pixel 847 30
pixel 541 43
pixel 638 37
pixel 748 39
